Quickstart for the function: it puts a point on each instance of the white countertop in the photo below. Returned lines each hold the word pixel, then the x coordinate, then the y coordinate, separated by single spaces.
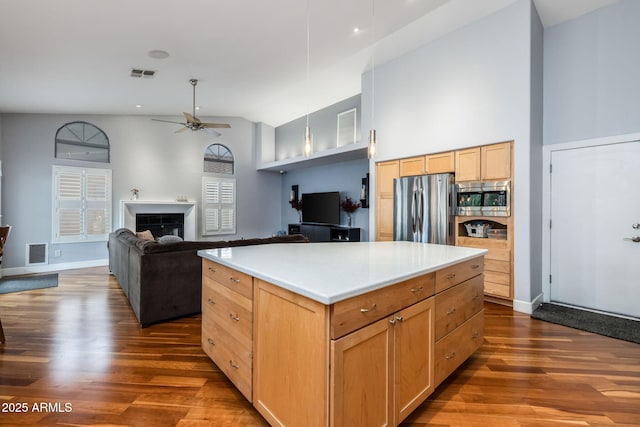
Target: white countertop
pixel 332 272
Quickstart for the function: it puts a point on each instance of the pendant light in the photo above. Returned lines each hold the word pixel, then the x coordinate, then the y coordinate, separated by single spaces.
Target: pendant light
pixel 308 138
pixel 371 150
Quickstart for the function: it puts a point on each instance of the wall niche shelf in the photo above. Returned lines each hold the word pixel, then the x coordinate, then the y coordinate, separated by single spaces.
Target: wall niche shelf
pixel 332 155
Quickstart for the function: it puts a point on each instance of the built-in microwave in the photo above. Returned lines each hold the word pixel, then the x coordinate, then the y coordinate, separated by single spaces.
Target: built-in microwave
pixel 487 198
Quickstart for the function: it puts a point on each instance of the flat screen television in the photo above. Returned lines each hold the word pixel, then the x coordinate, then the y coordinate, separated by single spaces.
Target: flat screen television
pixel 322 208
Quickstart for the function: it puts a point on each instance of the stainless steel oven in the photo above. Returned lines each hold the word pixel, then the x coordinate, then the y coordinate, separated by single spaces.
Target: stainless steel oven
pixel 487 198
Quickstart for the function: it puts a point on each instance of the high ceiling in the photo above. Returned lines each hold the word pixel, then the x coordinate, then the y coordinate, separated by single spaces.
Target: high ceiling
pixel 76 56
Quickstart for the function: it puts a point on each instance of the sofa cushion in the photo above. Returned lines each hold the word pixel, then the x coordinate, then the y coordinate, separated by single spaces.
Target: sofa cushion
pixel 169 238
pixel 145 235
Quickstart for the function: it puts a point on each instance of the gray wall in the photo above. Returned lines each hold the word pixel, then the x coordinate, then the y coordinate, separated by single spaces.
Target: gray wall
pixel 144 154
pixel 470 87
pixel 344 177
pixel 591 83
pixel 323 123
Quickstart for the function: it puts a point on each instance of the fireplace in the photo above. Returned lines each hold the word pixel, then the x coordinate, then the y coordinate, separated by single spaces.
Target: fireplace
pixel 130 209
pixel 161 224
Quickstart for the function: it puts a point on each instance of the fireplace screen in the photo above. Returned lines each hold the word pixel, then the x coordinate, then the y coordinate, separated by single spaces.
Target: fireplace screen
pixel 161 224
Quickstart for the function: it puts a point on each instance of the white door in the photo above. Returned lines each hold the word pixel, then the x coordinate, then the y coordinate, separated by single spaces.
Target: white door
pixel 595 214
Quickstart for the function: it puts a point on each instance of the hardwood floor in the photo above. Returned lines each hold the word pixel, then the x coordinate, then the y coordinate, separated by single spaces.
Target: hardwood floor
pixel 75 355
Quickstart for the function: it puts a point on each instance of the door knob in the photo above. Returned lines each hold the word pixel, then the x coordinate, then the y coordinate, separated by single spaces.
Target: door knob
pixel 635 239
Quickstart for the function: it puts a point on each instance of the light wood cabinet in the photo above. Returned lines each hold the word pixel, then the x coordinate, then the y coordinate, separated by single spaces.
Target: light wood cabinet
pixel 384 371
pixel 227 323
pixel 489 162
pixel 368 360
pixel 498 268
pixel 412 166
pixel 468 164
pixel 386 172
pixel 496 161
pixel 440 163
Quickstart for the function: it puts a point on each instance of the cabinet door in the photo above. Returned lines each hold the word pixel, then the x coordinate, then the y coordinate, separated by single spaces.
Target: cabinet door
pixel 414 349
pixel 440 163
pixel 386 172
pixel 412 166
pixel 496 161
pixel 468 165
pixel 361 377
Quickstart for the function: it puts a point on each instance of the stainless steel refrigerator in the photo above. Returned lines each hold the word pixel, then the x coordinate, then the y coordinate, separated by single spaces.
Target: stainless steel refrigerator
pixel 423 209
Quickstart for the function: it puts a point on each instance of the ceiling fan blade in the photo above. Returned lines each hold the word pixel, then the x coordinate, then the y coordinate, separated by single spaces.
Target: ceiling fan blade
pixel 216 125
pixel 169 121
pixel 181 130
pixel 190 118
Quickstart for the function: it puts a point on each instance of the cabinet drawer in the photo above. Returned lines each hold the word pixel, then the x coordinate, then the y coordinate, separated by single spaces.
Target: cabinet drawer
pixel 356 312
pixel 232 279
pixel 235 363
pixel 229 309
pixel 497 289
pixel 497 266
pixel 450 276
pixel 497 277
pixel 455 348
pixel 458 304
pixel 498 255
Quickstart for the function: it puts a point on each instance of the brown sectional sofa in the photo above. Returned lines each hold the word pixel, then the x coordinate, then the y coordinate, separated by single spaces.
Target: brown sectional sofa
pixel 163 280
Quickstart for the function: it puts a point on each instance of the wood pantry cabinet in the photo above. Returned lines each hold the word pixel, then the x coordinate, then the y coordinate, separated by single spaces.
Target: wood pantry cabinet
pixel 367 360
pixel 386 172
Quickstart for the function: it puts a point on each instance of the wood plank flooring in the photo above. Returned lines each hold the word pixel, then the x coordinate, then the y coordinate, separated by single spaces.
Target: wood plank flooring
pixel 75 356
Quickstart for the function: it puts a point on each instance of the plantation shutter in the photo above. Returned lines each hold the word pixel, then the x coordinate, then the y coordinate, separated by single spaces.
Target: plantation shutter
pixel 218 205
pixel 81 204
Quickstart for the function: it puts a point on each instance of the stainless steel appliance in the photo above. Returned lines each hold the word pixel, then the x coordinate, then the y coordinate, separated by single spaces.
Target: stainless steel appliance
pixel 487 198
pixel 423 209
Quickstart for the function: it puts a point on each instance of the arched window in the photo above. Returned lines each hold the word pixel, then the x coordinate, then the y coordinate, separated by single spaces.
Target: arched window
pixel 82 141
pixel 218 159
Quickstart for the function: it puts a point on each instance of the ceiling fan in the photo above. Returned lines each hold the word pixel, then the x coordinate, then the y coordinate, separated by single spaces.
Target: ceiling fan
pixel 194 123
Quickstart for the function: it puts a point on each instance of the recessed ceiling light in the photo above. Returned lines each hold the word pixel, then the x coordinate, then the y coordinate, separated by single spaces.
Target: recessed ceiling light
pixel 138 105
pixel 197 107
pixel 356 30
pixel 158 54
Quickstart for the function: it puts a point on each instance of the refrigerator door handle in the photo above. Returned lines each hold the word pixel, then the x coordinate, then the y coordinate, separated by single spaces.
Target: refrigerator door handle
pixel 421 211
pixel 414 207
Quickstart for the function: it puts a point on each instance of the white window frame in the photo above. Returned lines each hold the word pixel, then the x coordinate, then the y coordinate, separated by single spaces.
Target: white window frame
pixel 89 205
pixel 218 206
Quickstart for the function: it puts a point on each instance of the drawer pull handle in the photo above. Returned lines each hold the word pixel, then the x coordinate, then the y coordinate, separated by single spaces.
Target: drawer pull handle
pixel 451 276
pixel 210 301
pixel 236 281
pixel 366 310
pixel 393 320
pixel 233 365
pixel 475 266
pixel 416 290
pixel 212 270
pixel 450 355
pixel 234 317
pixel 451 311
pixel 210 341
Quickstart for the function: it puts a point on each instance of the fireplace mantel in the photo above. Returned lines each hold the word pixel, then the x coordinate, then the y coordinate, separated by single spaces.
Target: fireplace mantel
pixel 129 209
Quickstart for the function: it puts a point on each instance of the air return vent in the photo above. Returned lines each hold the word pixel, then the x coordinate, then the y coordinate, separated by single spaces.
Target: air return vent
pixel 138 72
pixel 37 253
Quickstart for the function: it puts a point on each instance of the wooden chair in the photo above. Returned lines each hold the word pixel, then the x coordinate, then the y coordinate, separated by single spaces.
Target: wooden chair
pixel 4 234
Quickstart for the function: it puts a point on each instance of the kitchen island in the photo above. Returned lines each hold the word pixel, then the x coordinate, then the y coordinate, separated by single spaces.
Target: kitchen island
pixel 329 334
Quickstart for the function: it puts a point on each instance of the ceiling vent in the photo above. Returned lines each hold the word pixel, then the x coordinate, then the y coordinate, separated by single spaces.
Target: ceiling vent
pixel 137 72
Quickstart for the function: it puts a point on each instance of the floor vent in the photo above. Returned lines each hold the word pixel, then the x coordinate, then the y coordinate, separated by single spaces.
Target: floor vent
pixel 37 253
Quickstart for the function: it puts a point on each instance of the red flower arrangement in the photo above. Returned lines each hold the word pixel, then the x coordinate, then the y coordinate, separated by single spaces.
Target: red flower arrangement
pixel 348 206
pixel 296 204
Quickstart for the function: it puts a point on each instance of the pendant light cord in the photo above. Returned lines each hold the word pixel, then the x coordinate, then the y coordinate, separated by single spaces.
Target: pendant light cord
pixel 308 84
pixel 373 60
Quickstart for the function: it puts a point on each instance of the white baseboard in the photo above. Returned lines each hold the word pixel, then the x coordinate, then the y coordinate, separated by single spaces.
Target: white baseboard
pixel 527 306
pixel 16 271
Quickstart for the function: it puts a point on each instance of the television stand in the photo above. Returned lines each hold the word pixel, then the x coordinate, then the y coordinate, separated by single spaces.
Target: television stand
pixel 326 232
